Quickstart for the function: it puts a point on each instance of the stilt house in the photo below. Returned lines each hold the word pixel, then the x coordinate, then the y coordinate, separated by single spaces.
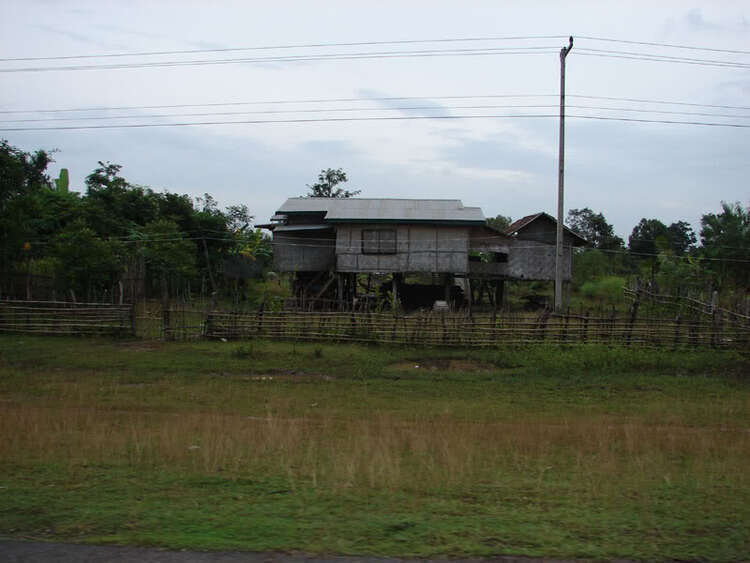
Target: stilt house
pixel 326 242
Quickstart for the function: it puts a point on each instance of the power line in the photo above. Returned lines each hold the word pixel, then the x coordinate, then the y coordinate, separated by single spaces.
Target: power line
pixel 369 43
pixel 667 57
pixel 647 101
pixel 353 119
pixel 267 121
pixel 309 110
pixel 295 46
pixel 372 99
pixel 298 58
pixel 670 45
pixel 270 102
pixel 661 59
pixel 339 110
pixel 664 121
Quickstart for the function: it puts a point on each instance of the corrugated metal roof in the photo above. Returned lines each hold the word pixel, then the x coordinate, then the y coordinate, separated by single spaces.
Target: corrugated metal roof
pixel 305 205
pixel 281 228
pixel 385 209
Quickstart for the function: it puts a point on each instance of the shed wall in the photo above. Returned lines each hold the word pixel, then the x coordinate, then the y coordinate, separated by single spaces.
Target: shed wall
pixel 544 230
pixel 313 251
pixel 531 260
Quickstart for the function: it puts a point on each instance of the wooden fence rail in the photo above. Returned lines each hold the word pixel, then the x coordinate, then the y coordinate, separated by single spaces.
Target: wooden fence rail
pixel 59 317
pixel 457 329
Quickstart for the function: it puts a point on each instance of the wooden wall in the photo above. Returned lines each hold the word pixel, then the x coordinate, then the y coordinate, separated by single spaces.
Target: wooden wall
pixel 431 249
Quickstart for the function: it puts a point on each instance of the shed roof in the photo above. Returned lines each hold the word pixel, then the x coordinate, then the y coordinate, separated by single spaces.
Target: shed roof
pixel 523 222
pixel 385 210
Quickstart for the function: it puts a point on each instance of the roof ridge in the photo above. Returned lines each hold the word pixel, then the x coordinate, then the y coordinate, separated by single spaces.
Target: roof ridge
pixel 377 198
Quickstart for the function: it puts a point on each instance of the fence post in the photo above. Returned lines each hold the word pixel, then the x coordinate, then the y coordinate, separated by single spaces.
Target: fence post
pixel 714 317
pixel 259 316
pixel 493 333
pixel 633 313
pixel 132 319
pixel 207 325
pixel 677 320
pixel 585 326
pixel 542 323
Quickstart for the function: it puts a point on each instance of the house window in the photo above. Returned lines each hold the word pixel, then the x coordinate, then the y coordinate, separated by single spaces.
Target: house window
pixel 380 241
pixel 501 257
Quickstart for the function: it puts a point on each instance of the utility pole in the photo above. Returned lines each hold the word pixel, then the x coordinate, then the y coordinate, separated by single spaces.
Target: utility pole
pixel 560 181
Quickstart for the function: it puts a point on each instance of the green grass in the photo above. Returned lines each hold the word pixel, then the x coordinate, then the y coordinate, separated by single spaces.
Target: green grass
pixel 578 452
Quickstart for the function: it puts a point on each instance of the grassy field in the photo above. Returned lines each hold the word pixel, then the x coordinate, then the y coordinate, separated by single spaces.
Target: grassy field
pixel 578 452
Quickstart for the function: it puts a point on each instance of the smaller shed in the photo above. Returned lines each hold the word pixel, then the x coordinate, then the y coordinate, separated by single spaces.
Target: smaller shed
pixel 542 227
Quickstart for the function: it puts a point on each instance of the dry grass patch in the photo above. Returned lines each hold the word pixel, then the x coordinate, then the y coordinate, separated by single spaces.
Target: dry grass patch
pixel 443 364
pixel 596 454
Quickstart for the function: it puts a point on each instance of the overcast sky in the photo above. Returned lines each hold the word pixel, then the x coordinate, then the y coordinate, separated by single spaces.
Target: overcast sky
pixel 508 165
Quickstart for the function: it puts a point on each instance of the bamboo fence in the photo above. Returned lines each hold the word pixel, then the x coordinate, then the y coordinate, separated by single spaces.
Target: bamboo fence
pixel 688 328
pixel 64 318
pixel 485 330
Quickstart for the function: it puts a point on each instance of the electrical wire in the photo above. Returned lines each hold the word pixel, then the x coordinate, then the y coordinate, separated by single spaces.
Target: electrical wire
pixel 373 99
pixel 295 46
pixel 374 109
pixel 315 110
pixel 661 58
pixel 363 119
pixel 647 101
pixel 371 43
pixel 669 45
pixel 298 58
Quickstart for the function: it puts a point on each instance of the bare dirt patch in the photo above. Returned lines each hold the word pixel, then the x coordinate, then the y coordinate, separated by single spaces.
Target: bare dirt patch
pixel 279 375
pixel 141 345
pixel 443 364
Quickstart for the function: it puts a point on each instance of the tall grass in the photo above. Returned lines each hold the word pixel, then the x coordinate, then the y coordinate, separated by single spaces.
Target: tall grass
pixel 593 454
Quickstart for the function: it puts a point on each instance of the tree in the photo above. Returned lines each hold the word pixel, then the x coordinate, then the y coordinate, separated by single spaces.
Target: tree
pixel 85 261
pixel 725 238
pixel 681 237
pixel 594 228
pixel 499 222
pixel 328 181
pixel 23 176
pixel 648 237
pixel 114 206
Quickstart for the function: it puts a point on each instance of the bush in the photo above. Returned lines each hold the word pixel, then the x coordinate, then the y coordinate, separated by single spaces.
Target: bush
pixel 607 289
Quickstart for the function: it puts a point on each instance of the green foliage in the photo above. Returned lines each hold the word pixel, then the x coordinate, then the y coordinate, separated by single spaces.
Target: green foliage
pixel 327 184
pixel 500 222
pixel 62 183
pixel 647 238
pixel 84 259
pixel 590 264
pixel 176 237
pixel 605 290
pixel 681 238
pixel 165 249
pixel 22 177
pixel 677 274
pixel 594 228
pixel 114 206
pixel 726 243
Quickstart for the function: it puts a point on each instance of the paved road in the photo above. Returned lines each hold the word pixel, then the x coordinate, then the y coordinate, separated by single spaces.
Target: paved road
pixel 12 551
